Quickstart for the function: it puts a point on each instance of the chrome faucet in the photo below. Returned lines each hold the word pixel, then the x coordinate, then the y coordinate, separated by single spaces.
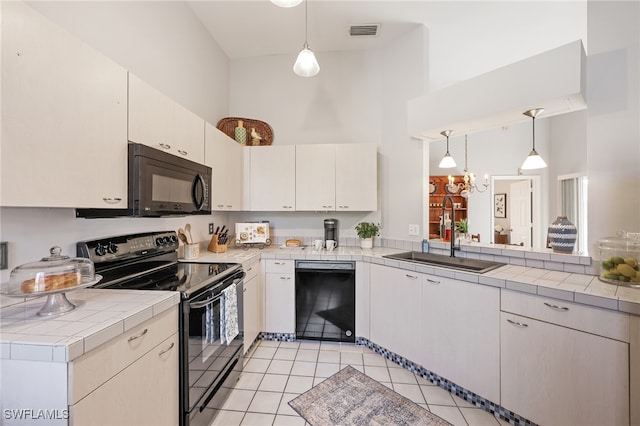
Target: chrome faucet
pixel 452 252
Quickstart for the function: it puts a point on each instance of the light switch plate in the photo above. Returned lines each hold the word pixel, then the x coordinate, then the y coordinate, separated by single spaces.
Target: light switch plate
pixel 414 230
pixel 4 256
pixel 211 229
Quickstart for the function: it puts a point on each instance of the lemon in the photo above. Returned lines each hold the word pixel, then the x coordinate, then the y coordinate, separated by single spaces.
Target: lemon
pixel 617 260
pixel 607 264
pixel 626 270
pixel 631 261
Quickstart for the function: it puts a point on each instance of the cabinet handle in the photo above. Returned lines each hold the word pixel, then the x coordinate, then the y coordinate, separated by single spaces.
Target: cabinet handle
pixel 278 263
pixel 220 206
pixel 165 145
pixel 181 152
pixel 132 338
pixel 517 324
pixel 433 281
pixel 287 207
pixel 343 207
pixel 556 307
pixel 111 200
pixel 229 206
pixel 413 277
pixel 285 278
pixel 250 269
pixel 167 350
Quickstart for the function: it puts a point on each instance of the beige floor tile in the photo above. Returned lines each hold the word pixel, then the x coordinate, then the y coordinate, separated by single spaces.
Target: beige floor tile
pixel 279 366
pixel 310 355
pixel 290 345
pixel 257 419
pixel 329 346
pixel 478 417
pixel 285 353
pixel 318 380
pixel 360 368
pixel 461 402
pixel 325 370
pixel 392 364
pixel 450 414
pixel 274 382
pixel 409 391
pixel 249 381
pixel 400 375
pixel 350 347
pixel 257 365
pixel 265 402
pixel 238 400
pixel 302 368
pixel 374 359
pixel 284 408
pixel 298 384
pixel 310 344
pixel 436 395
pixel 380 374
pixel 269 343
pixel 354 358
pixel 264 352
pixel 288 421
pixel 329 356
pixel 228 418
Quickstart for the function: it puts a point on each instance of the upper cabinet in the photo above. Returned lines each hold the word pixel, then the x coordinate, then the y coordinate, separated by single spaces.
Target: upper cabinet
pixel 336 177
pixel 157 121
pixel 225 157
pixel 272 174
pixel 64 117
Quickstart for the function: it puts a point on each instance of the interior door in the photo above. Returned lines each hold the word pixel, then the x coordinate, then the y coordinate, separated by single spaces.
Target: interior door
pixel 520 208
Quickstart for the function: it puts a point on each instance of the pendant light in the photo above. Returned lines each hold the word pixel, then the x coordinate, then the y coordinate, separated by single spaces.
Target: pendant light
pixel 447 161
pixel 306 65
pixel 286 3
pixel 533 160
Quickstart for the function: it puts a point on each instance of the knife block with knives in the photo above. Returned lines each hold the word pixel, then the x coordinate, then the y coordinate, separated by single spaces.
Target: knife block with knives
pixel 218 243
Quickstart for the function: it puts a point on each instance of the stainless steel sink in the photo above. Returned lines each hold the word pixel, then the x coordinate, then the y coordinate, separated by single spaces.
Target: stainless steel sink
pixel 459 263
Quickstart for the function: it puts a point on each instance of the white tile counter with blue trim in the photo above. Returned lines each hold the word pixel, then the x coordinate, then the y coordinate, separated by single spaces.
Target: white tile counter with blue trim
pixel 568 278
pixel 100 316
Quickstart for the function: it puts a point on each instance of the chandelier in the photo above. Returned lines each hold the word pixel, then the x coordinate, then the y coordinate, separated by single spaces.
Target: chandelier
pixel 468 185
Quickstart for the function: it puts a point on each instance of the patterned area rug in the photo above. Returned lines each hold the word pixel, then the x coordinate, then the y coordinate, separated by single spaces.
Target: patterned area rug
pixel 352 398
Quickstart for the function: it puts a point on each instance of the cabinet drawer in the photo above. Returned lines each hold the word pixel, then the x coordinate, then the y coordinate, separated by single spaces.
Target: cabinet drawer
pixel 279 266
pixel 602 322
pixel 99 365
pixel 251 270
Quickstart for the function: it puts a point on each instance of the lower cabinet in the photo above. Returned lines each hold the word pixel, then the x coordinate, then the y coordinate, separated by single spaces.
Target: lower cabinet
pixel 460 338
pixel 556 375
pixel 395 310
pixel 252 309
pixel 280 296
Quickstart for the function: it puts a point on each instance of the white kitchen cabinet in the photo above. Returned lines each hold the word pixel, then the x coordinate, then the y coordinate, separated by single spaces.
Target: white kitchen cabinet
pixel 395 310
pixel 280 297
pixel 272 177
pixel 340 177
pixel 556 375
pixel 316 177
pixel 252 312
pixel 130 380
pixel 356 177
pixel 64 117
pixel 157 121
pixel 225 157
pixel 460 338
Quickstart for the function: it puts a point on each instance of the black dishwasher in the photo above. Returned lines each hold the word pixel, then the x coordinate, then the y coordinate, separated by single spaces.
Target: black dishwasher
pixel 325 300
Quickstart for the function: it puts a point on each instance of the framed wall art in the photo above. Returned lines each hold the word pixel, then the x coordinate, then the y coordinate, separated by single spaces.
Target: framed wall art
pixel 500 205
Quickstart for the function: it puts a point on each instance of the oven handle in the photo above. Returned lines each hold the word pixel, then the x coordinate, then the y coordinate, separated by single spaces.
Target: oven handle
pixel 202 304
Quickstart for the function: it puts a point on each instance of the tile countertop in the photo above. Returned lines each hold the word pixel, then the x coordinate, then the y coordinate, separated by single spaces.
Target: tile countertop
pixel 567 286
pixel 100 316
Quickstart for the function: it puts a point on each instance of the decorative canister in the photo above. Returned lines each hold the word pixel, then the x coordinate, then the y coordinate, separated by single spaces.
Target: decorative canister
pixel 619 258
pixel 241 133
pixel 562 235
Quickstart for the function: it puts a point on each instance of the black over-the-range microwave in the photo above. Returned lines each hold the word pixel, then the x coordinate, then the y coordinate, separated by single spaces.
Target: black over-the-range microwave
pixel 161 184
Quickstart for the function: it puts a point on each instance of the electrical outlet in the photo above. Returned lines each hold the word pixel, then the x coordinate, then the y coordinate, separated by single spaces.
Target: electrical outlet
pixel 4 256
pixel 211 229
pixel 414 230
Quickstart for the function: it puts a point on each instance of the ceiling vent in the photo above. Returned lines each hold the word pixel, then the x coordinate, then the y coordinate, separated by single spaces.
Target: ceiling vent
pixel 367 30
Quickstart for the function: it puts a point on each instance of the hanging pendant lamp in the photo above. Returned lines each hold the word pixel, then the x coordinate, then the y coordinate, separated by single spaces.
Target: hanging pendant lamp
pixel 286 3
pixel 306 65
pixel 447 161
pixel 533 160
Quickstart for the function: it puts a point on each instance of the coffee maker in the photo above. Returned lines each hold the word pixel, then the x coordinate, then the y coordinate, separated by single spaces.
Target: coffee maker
pixel 331 230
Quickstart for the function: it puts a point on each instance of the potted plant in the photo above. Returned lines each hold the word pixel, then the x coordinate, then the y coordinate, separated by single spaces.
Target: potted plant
pixel 366 231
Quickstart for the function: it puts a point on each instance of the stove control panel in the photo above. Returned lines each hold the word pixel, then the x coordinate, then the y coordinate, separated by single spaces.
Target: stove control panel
pixel 130 246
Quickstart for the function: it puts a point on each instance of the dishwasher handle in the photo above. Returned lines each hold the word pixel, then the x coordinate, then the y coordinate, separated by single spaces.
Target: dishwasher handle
pixel 326 265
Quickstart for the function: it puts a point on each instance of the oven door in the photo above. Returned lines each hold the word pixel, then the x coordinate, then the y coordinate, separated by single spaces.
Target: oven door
pixel 210 365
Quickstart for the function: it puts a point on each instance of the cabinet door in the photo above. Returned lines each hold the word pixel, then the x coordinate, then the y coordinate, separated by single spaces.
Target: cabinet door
pixel 150 115
pixel 316 177
pixel 272 176
pixel 188 134
pixel 395 310
pixel 144 393
pixel 280 302
pixel 556 375
pixel 460 334
pixel 64 115
pixel 225 157
pixel 252 311
pixel 356 177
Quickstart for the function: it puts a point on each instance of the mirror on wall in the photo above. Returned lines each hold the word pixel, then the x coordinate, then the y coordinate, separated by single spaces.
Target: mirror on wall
pixel 560 140
pixel 572 203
